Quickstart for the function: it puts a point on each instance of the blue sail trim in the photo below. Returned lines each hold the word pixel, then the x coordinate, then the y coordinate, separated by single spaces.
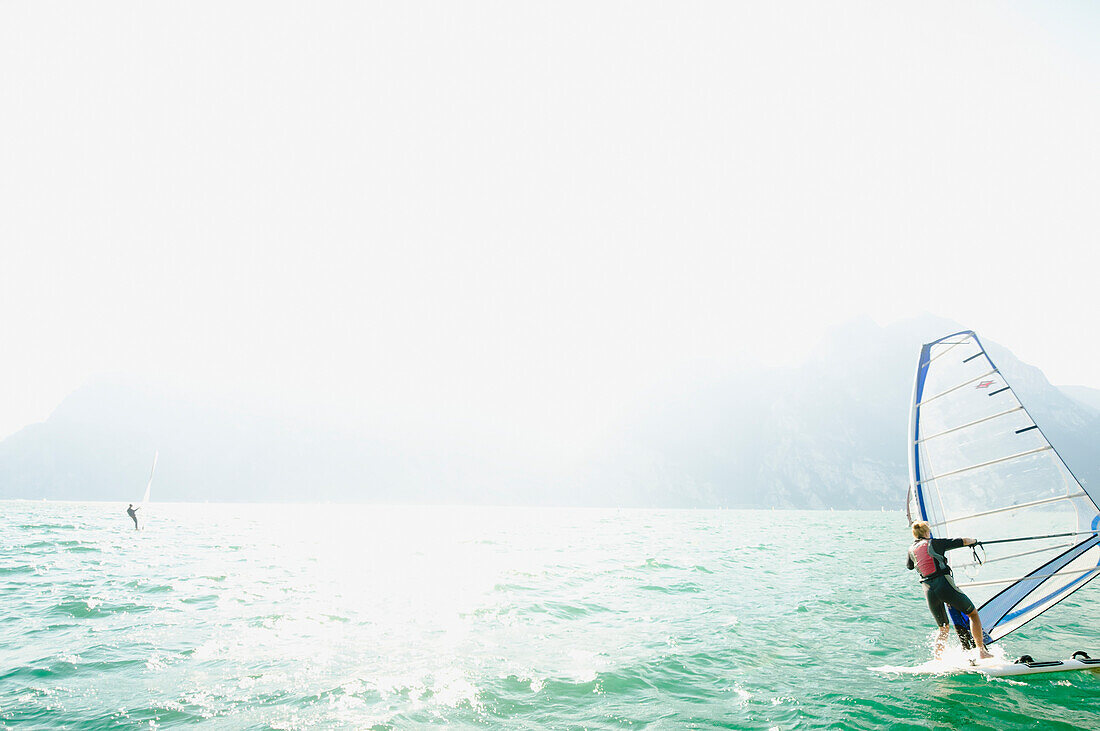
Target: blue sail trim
pixel 918 396
pixel 957 617
pixel 1079 580
pixel 922 371
pixel 1019 612
pixel 999 609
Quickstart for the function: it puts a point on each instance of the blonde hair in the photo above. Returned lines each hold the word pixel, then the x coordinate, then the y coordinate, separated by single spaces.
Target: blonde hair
pixel 921 530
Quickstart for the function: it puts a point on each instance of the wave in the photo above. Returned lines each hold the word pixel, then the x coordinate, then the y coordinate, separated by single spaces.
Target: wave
pixel 17 569
pixel 566 610
pixel 58 668
pixel 70 546
pixel 682 588
pixel 96 608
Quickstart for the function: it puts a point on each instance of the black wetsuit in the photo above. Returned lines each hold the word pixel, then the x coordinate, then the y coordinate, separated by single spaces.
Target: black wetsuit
pixel 132 512
pixel 939 586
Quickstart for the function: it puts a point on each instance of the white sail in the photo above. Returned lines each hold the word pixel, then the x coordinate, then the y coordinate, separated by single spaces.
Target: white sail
pixel 980 467
pixel 149 485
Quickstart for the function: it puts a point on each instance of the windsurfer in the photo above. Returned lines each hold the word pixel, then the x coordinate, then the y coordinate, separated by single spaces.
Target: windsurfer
pixel 926 555
pixel 132 512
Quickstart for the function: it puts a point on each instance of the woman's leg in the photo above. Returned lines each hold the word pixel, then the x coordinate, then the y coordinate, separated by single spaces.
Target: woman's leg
pixel 939 613
pixel 976 630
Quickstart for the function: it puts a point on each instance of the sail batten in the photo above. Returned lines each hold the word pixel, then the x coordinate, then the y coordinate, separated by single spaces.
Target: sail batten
pixel 945 351
pixel 981 467
pixel 966 585
pixel 986 464
pixel 973 423
pixel 951 390
pixel 1010 508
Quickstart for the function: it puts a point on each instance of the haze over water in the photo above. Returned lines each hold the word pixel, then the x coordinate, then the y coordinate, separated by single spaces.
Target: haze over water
pixel 292 616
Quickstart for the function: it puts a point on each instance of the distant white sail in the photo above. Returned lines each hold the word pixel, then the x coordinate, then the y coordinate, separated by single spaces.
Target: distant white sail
pixel 149 485
pixel 980 467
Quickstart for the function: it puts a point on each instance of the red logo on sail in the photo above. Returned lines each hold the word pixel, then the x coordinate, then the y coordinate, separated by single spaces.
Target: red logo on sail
pixel 985 384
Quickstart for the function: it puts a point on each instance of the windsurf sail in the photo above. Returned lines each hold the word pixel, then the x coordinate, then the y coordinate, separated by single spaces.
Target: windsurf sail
pixel 979 466
pixel 149 485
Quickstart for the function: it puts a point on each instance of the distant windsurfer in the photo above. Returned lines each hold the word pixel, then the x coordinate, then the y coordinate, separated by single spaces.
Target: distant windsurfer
pixel 132 512
pixel 926 555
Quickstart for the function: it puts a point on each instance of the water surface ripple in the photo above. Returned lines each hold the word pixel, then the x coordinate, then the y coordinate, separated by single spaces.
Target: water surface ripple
pixel 286 617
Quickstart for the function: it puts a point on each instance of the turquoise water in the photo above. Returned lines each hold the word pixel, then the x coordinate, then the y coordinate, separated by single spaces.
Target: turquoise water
pixel 244 616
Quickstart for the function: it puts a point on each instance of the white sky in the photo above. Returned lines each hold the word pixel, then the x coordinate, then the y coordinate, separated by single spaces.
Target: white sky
pixel 531 208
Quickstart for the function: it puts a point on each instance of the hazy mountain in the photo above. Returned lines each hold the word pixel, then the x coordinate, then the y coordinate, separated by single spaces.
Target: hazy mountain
pixel 1083 394
pixel 99 445
pixel 830 433
pixel 833 432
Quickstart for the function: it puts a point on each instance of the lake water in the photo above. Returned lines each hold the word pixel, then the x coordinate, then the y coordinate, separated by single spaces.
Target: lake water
pixel 300 616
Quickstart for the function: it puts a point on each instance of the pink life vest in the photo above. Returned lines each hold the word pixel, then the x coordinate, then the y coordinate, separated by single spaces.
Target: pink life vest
pixel 926 564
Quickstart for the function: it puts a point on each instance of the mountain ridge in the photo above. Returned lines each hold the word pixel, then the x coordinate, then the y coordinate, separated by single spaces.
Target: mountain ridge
pixel 829 433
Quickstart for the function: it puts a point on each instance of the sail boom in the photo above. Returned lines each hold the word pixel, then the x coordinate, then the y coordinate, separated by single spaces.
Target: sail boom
pixel 986 562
